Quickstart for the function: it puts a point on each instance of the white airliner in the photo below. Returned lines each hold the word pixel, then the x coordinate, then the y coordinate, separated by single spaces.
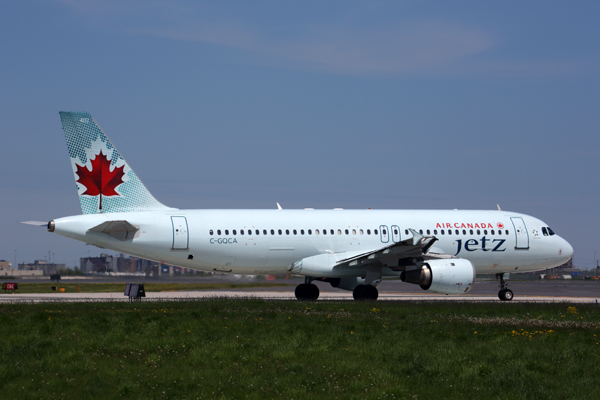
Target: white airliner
pixel 441 251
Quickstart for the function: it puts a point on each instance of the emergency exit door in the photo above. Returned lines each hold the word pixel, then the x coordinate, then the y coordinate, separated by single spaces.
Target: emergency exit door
pixel 181 236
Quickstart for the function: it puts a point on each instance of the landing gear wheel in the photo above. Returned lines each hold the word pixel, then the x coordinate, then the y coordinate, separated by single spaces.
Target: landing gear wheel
pixel 307 292
pixel 505 294
pixel 357 292
pixel 365 292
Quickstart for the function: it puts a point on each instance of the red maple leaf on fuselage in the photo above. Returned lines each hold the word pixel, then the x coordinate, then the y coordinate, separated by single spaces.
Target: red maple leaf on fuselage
pixel 100 180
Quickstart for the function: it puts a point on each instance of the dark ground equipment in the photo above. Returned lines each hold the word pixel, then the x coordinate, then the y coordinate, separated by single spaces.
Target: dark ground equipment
pixel 135 291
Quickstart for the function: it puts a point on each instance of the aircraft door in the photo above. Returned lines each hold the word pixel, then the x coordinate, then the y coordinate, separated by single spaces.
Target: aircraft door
pixel 395 233
pixel 384 234
pixel 181 237
pixel 521 233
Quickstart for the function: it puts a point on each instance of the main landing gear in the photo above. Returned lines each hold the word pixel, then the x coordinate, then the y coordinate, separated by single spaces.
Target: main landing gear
pixel 365 292
pixel 307 291
pixel 505 294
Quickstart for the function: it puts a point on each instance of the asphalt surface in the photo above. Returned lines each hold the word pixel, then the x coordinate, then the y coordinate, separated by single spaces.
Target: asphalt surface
pixel 587 291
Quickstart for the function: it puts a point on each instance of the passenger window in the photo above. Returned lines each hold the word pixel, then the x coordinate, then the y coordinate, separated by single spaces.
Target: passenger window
pixel 384 232
pixel 226 231
pixel 464 231
pixel 310 232
pixel 499 232
pixel 492 232
pixel 456 231
pixel 485 231
pixel 287 231
pixel 374 231
pixel 442 232
pixel 470 231
pixel 316 231
pixel 506 231
pixel 257 232
pixel 354 232
pixel 346 232
pixel 324 231
pixel 331 231
pixel 362 232
pixel 428 232
pixel 272 231
pixel 264 231
pixel 249 231
pixel 295 232
pixel 368 231
pixel 234 232
pixel 210 232
pixel 435 231
pixel 339 231
pixel 302 231
pixel 478 232
pixel 279 231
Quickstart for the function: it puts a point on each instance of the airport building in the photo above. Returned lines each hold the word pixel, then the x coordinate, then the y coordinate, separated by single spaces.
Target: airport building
pixel 42 265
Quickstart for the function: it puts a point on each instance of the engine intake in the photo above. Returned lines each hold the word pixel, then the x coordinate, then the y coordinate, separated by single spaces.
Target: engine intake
pixel 447 276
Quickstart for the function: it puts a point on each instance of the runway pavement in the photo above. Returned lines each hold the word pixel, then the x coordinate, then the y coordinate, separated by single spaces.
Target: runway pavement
pixel 390 290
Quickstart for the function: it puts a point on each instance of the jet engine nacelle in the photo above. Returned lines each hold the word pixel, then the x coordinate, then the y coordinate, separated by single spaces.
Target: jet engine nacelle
pixel 447 276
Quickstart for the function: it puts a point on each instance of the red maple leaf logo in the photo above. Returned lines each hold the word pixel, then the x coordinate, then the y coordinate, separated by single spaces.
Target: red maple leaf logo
pixel 500 225
pixel 100 180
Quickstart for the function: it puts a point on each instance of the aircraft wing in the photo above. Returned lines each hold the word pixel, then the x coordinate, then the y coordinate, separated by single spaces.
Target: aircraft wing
pixel 396 255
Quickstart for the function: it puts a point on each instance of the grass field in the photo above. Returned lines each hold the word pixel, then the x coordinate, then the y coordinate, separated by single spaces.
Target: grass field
pixel 286 349
pixel 149 287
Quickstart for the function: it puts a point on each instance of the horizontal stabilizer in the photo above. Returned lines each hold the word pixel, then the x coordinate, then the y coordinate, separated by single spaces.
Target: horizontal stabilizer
pixel 36 223
pixel 121 230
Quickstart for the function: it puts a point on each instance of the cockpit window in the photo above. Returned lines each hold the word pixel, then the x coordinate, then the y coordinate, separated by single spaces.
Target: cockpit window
pixel 551 232
pixel 544 231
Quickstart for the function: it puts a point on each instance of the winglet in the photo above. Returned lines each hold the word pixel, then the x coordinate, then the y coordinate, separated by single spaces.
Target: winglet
pixel 417 237
pixel 279 207
pixel 499 209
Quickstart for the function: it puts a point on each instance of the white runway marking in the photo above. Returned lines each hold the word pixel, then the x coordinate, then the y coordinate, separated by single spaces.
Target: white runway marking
pixel 267 295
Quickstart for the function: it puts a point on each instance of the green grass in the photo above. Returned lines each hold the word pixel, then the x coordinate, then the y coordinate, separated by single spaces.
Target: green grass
pixel 149 287
pixel 286 349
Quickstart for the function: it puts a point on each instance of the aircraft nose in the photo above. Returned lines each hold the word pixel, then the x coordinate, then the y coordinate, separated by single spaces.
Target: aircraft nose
pixel 566 250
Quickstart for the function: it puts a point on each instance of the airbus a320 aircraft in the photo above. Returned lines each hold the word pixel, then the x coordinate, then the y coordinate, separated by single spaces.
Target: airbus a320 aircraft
pixel 441 251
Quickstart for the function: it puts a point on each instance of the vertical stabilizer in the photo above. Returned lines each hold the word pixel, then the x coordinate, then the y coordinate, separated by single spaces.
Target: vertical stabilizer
pixel 105 182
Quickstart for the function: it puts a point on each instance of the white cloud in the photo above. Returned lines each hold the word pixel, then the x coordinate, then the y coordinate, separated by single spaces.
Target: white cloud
pixel 338 44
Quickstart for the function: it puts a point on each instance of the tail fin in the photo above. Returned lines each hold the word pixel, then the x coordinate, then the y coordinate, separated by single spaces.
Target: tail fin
pixel 105 182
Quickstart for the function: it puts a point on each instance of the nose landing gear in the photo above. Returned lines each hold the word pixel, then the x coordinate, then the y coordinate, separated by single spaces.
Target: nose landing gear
pixel 505 294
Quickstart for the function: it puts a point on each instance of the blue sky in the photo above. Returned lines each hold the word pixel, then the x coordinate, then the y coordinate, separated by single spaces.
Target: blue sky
pixel 349 104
